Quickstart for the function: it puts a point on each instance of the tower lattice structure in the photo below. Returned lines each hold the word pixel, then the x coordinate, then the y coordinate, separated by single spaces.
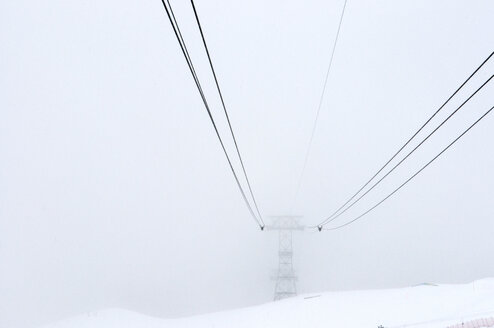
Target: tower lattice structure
pixel 286 278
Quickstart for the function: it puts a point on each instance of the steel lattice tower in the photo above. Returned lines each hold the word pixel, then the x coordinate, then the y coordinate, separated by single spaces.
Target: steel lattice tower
pixel 286 278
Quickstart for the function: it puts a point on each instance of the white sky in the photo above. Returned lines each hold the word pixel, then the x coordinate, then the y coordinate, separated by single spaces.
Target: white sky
pixel 114 190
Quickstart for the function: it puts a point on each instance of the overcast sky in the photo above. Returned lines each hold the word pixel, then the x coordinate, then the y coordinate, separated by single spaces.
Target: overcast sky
pixel 114 191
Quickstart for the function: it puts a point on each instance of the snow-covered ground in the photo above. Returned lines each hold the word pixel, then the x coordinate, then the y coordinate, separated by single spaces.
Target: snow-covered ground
pixel 421 306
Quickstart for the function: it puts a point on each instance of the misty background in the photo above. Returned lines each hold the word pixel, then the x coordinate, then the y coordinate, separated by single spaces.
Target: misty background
pixel 114 191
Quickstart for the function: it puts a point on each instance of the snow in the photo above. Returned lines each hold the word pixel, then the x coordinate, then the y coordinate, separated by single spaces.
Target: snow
pixel 422 306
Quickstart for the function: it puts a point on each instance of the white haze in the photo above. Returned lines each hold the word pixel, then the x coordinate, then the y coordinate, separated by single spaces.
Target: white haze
pixel 114 191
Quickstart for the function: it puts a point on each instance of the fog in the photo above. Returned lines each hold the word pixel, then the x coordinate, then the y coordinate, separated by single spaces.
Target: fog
pixel 114 191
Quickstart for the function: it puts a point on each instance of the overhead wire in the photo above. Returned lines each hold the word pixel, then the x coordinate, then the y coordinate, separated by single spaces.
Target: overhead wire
pixel 408 141
pixel 225 110
pixel 309 147
pixel 413 176
pixel 408 155
pixel 181 41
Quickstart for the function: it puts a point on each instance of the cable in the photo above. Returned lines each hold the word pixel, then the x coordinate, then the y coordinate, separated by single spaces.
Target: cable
pixel 191 67
pixel 183 47
pixel 411 152
pixel 319 107
pixel 410 139
pixel 226 112
pixel 413 176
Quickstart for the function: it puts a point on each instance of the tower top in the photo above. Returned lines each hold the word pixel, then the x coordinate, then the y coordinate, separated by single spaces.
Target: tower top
pixel 285 222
